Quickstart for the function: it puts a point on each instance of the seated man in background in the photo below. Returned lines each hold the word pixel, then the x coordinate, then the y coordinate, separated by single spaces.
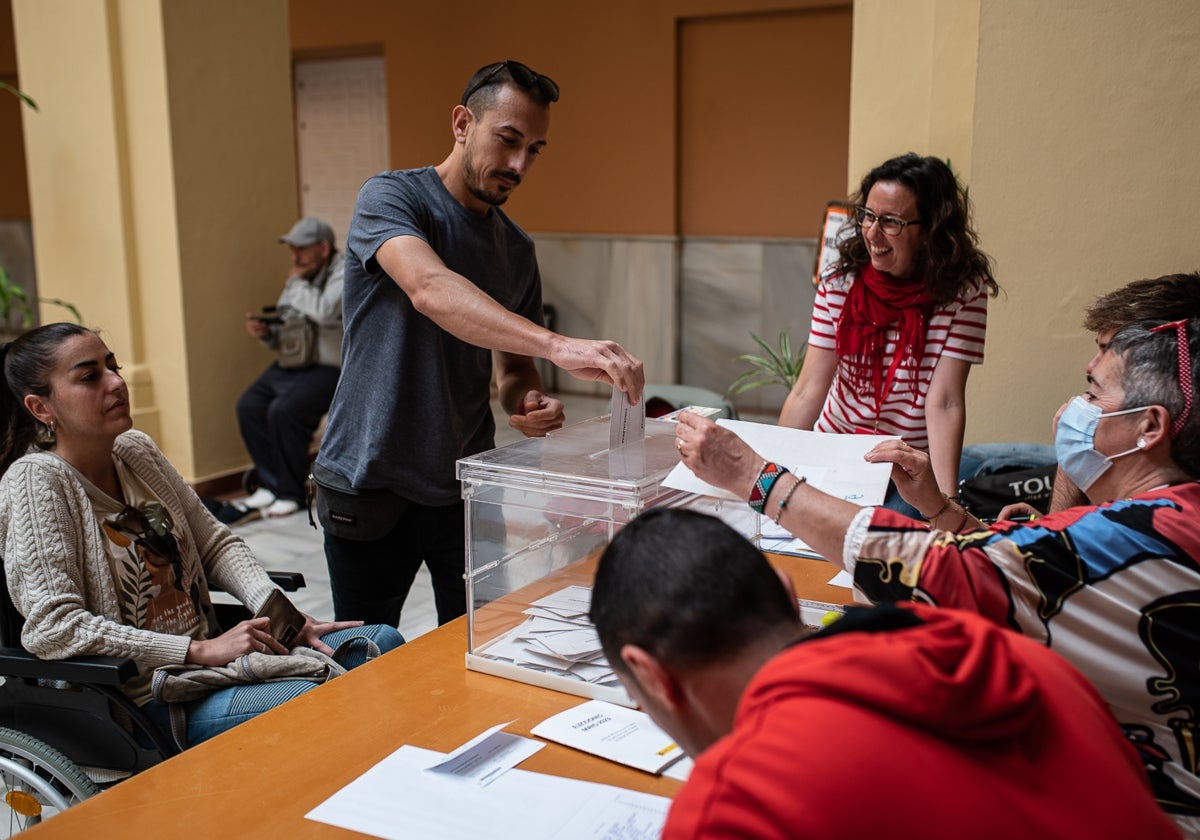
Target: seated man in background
pixel 1113 586
pixel 892 721
pixel 279 413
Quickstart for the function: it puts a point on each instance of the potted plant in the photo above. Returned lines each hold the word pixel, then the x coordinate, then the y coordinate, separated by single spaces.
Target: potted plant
pixel 776 366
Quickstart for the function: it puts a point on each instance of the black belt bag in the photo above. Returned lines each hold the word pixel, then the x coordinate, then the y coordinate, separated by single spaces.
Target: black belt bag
pixel 357 514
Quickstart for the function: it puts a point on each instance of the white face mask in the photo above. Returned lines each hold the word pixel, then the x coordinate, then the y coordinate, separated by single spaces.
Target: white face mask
pixel 1074 442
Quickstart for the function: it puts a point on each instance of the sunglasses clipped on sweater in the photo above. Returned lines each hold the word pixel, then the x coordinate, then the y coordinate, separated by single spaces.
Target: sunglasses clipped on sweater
pixel 521 75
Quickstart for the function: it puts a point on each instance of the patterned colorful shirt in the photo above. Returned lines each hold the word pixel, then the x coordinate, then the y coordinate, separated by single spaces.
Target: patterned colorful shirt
pixel 1114 589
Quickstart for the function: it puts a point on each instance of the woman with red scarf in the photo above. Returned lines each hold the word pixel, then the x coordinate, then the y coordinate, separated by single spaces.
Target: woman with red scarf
pixel 896 329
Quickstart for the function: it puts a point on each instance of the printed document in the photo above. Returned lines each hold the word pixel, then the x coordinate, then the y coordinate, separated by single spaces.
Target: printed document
pixel 398 799
pixel 626 736
pixel 832 463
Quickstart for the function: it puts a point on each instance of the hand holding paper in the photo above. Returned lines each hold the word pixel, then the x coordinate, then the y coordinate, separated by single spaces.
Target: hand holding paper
pixel 723 459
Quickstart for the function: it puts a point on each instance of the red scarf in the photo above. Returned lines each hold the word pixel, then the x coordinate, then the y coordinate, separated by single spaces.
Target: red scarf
pixel 875 302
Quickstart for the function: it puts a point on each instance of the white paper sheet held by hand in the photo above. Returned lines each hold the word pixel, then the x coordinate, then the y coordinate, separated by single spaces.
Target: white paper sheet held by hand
pixel 396 799
pixel 845 474
pixel 487 756
pixel 628 423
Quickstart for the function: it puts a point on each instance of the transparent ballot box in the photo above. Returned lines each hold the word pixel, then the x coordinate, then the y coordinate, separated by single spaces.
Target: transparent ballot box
pixel 538 514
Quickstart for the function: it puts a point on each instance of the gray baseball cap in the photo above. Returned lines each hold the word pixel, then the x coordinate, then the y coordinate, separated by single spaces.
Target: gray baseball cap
pixel 308 231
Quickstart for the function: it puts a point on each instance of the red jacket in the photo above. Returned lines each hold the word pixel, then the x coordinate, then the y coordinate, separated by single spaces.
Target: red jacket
pixel 951 728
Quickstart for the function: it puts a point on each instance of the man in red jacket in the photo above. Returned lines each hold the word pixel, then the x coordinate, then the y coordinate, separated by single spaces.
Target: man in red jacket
pixel 899 720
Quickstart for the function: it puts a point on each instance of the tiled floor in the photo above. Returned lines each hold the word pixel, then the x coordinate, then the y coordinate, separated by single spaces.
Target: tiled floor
pixel 291 543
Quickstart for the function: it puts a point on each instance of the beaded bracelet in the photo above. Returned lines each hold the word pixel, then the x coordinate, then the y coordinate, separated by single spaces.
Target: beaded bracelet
pixel 768 474
pixel 787 497
pixel 941 510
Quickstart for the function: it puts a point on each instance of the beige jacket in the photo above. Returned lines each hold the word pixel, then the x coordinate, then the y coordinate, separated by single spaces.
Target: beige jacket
pixel 58 569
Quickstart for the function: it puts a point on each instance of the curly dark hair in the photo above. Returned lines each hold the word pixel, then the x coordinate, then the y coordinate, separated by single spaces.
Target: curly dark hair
pixel 949 259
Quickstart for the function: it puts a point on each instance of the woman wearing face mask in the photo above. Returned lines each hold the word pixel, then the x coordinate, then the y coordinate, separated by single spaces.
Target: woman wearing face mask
pixel 108 551
pixel 896 330
pixel 1113 586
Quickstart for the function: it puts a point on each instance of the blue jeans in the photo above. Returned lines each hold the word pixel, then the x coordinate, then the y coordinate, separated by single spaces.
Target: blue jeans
pixel 987 458
pixel 228 707
pixel 892 501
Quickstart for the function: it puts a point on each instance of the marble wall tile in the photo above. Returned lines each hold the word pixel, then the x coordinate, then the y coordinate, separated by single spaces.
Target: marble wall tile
pixel 788 296
pixel 642 312
pixel 685 307
pixel 722 303
pixel 623 289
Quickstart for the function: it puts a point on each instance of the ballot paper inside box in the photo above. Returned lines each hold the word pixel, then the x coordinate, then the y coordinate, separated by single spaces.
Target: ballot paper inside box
pixel 538 514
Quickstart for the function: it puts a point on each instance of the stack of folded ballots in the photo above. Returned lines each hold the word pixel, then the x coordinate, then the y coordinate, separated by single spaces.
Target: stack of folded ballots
pixel 557 638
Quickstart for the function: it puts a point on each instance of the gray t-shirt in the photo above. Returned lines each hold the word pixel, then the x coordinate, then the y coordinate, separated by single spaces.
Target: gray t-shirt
pixel 412 398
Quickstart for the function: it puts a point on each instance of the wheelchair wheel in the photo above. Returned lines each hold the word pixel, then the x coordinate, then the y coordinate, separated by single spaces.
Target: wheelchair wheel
pixel 37 782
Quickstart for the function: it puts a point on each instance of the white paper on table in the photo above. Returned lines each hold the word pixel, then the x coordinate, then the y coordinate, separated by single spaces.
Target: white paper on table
pixel 842 578
pixel 623 735
pixel 397 799
pixel 487 756
pixel 846 475
pixel 680 769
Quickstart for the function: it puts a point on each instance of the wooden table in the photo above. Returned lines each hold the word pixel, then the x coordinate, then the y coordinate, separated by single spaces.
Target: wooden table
pixel 261 778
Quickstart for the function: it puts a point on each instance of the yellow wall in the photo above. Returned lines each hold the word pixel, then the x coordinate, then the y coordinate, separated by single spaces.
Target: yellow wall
pixel 912 82
pixel 1075 124
pixel 1085 176
pixel 161 171
pixel 763 122
pixel 611 163
pixel 161 164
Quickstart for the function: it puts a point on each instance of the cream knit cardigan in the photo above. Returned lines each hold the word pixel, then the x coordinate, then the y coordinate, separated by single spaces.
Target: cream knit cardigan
pixel 58 569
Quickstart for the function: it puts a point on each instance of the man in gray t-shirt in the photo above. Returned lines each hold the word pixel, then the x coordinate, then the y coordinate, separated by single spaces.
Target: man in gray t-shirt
pixel 441 286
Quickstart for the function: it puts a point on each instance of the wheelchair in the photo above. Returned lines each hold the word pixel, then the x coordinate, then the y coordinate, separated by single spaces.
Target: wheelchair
pixel 59 716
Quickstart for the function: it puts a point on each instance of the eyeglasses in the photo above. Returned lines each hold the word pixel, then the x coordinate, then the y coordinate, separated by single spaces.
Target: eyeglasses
pixel 522 75
pixel 1185 371
pixel 891 225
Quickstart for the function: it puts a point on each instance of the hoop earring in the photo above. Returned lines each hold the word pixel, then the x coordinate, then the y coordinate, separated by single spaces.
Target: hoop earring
pixel 46 435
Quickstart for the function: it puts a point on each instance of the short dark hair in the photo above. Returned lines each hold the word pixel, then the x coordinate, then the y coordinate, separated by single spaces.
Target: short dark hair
pixel 497 75
pixel 688 589
pixel 1151 377
pixel 1153 299
pixel 949 260
pixel 28 362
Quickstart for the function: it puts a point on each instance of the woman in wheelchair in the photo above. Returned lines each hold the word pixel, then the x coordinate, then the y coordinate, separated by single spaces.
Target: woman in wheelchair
pixel 108 551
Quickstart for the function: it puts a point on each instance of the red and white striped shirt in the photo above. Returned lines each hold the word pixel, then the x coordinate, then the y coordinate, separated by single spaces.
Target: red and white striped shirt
pixel 955 330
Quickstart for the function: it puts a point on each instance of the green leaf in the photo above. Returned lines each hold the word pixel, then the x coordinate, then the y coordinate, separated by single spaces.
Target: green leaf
pixel 776 366
pixel 70 307
pixel 24 97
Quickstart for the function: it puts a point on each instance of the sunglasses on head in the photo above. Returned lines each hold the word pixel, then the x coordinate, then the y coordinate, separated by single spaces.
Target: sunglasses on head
pixel 521 75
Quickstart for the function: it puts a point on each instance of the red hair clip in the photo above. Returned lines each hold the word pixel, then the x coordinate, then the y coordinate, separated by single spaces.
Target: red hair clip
pixel 1185 370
